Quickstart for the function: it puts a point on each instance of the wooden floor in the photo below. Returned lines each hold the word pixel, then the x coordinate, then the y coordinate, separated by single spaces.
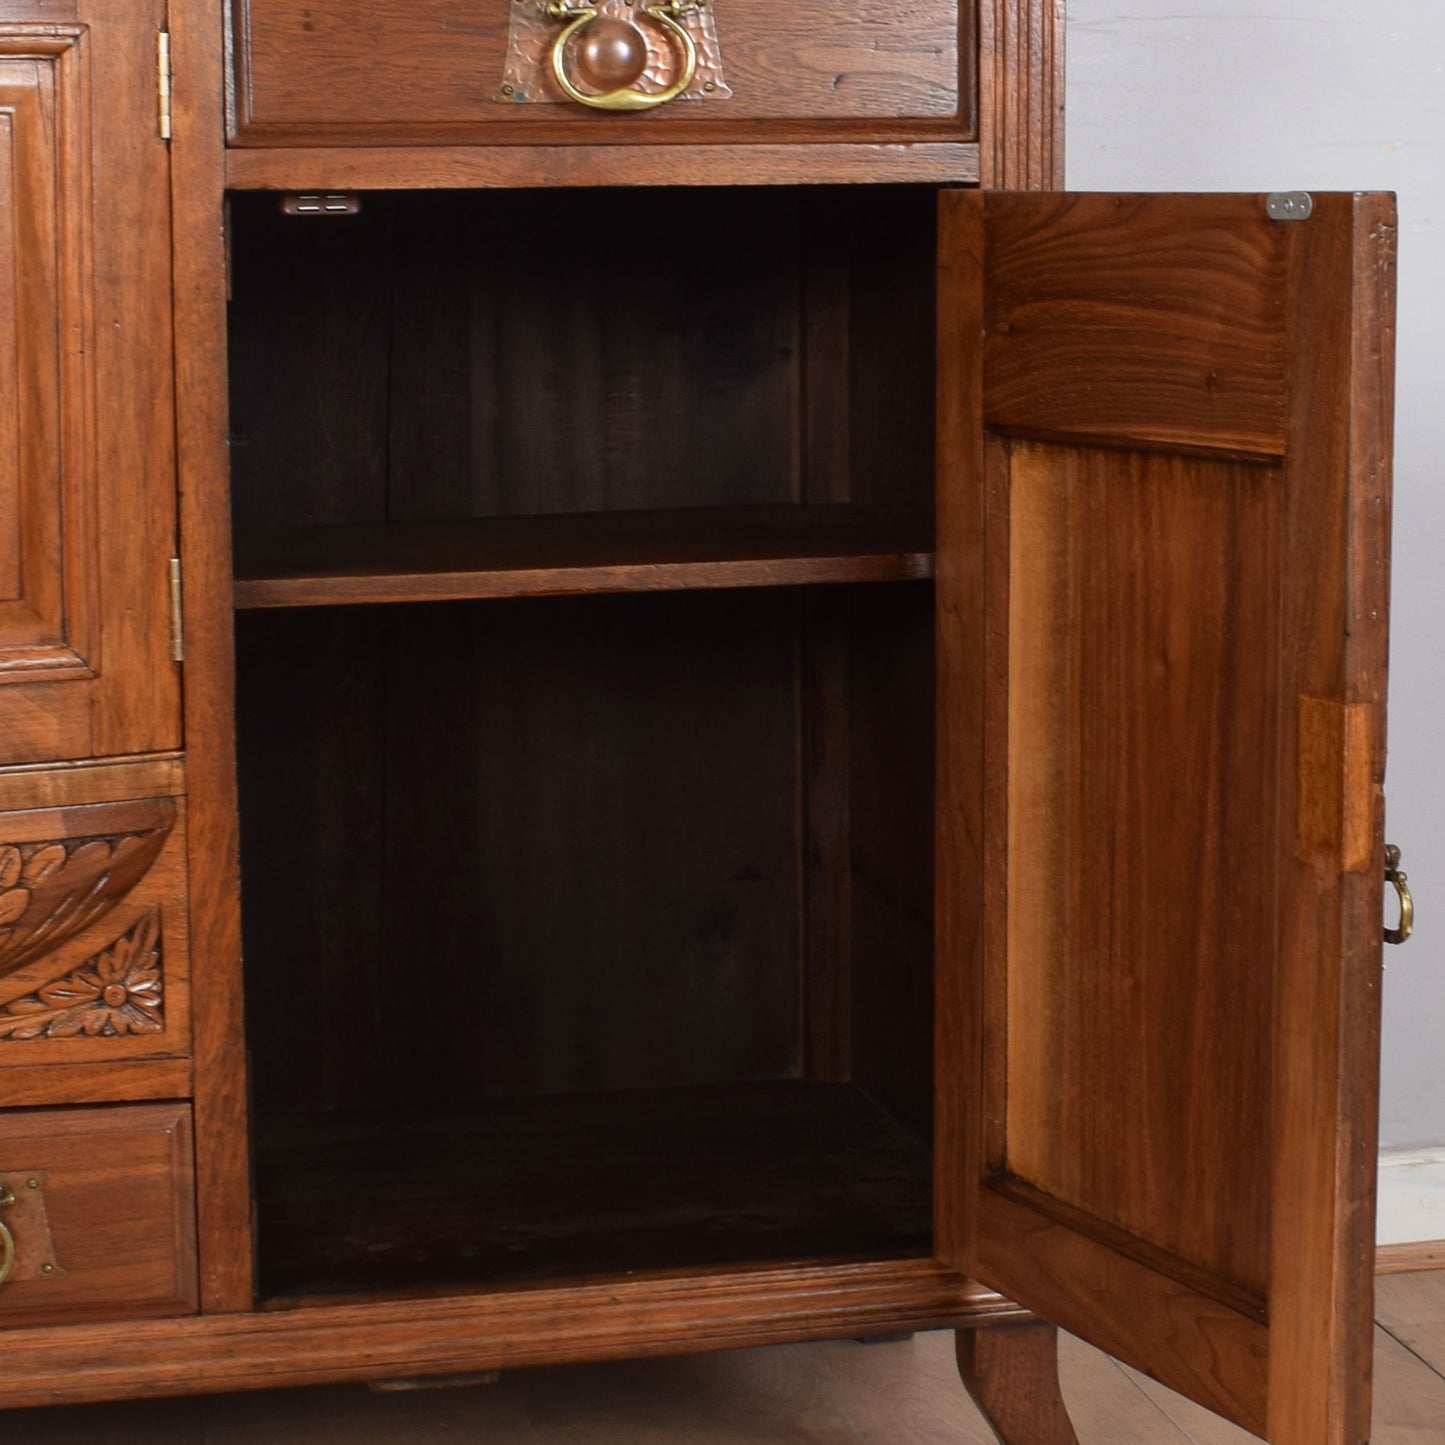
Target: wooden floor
pixel 904 1393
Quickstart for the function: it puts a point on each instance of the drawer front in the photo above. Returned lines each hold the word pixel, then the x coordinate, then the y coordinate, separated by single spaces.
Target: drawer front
pixel 430 71
pixel 98 1208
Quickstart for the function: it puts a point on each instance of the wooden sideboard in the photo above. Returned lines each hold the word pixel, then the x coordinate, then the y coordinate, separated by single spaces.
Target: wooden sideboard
pixel 639 732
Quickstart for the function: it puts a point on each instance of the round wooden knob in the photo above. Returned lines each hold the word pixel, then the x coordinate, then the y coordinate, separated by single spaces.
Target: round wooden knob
pixel 611 54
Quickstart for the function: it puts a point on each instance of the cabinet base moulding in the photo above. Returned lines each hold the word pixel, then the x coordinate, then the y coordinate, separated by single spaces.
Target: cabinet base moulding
pixel 407 1339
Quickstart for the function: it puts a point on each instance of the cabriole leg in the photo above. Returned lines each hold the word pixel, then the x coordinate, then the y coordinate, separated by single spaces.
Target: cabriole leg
pixel 1012 1372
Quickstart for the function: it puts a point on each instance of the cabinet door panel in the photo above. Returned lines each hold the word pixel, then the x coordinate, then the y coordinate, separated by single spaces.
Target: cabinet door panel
pixel 1162 582
pixel 87 491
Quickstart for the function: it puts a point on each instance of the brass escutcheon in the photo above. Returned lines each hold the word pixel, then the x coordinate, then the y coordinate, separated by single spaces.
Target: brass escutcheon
pixel 668 13
pixel 1398 880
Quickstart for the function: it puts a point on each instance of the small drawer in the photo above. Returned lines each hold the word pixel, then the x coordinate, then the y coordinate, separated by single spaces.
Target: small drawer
pixel 370 72
pixel 98 1214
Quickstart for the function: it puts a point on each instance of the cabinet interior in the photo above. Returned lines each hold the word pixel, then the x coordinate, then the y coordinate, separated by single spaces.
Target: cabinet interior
pixel 585 934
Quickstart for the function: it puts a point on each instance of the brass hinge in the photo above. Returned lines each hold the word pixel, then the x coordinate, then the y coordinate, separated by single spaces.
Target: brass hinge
pixel 178 650
pixel 163 82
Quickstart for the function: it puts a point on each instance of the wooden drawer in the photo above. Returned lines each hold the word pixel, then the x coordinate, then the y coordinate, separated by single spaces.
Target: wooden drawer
pixel 110 1212
pixel 341 72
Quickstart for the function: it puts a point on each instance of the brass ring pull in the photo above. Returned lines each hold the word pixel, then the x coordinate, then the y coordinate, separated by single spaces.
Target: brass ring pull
pixel 7 1240
pixel 1394 876
pixel 579 17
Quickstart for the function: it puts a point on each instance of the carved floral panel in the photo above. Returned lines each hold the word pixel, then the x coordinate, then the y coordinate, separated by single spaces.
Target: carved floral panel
pixel 117 992
pixel 93 932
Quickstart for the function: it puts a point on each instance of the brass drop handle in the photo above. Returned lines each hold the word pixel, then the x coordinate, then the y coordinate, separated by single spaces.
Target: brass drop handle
pixel 7 1240
pixel 1395 877
pixel 623 52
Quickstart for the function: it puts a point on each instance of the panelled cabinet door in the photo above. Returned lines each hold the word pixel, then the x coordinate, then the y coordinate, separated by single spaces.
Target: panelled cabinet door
pixel 1162 582
pixel 87 485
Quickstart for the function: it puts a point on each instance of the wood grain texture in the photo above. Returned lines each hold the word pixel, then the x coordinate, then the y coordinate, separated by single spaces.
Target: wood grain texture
pixel 562 555
pixel 433 759
pixel 117 1188
pixel 1335 792
pixel 116 993
pixel 1013 1376
pixel 834 1393
pixel 386 368
pixel 521 1191
pixel 1409 1402
pixel 129 1081
pixel 112 780
pixel 62 869
pixel 1154 320
pixel 1340 302
pixel 223 1183
pixel 1410 1308
pixel 49 623
pixel 89 499
pixel 960 764
pixel 417 73
pixel 825 752
pixel 31 10
pixel 829 1393
pixel 100 956
pixel 1143 704
pixel 1145 1316
pixel 891 809
pixel 1021 94
pixel 1409 1397
pixel 1309 569
pixel 1409 1257
pixel 620 1319
pixel 814 162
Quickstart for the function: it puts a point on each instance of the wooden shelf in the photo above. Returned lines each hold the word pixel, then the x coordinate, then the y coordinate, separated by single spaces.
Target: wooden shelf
pixel 566 554
pixel 571 1186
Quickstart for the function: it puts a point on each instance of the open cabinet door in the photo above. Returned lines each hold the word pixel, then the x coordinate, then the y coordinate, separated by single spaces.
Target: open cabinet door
pixel 1162 589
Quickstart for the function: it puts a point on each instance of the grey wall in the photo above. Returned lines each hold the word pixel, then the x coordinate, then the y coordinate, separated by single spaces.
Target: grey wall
pixel 1321 95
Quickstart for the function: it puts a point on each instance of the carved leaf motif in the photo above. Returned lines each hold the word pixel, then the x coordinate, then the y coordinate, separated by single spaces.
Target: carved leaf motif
pixel 43 863
pixel 55 889
pixel 115 993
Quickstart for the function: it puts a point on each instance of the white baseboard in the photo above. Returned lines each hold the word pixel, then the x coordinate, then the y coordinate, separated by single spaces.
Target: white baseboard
pixel 1412 1196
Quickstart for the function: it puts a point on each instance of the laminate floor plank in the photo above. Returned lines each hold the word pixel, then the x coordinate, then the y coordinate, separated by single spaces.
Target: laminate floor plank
pixel 1106 1403
pixel 1198 1425
pixel 1412 1308
pixel 1409 1396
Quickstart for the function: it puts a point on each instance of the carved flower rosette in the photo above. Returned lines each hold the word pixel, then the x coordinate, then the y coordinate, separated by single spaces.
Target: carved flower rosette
pixel 118 992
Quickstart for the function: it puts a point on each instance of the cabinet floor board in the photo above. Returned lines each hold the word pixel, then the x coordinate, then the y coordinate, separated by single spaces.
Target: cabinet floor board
pixel 573 1185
